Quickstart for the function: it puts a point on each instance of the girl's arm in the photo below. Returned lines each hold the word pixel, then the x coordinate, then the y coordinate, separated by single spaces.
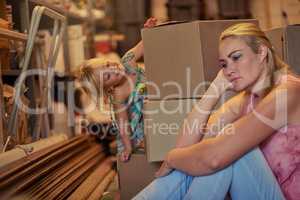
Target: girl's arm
pixel 134 54
pixel 240 137
pixel 122 119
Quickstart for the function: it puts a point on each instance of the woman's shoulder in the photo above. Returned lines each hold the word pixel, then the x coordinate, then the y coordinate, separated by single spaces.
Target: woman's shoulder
pixel 289 83
pixel 287 80
pixel 287 93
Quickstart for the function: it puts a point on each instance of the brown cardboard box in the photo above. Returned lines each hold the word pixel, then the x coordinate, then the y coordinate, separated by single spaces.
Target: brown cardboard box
pixel 286 42
pixel 135 175
pixel 163 120
pixel 181 56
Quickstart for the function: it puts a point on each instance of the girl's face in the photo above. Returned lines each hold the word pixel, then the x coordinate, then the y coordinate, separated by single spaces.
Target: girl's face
pixel 241 65
pixel 110 75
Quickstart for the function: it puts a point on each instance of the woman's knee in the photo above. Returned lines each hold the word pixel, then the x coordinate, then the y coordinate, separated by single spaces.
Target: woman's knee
pixel 173 185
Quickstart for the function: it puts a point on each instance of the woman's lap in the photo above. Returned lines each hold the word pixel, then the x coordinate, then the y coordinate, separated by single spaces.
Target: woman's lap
pixel 248 178
pixel 173 186
pixel 253 176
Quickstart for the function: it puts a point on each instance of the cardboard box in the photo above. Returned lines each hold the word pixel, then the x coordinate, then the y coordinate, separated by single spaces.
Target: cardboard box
pixel 180 57
pixel 163 120
pixel 286 42
pixel 135 175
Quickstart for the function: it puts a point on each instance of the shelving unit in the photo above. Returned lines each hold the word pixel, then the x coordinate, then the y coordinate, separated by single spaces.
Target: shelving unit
pixel 70 15
pixel 22 10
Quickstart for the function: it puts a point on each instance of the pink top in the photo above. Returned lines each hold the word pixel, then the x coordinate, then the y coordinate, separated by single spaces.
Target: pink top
pixel 282 152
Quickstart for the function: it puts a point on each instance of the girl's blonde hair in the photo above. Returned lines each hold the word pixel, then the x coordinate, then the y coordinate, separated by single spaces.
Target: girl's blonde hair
pixel 254 37
pixel 86 73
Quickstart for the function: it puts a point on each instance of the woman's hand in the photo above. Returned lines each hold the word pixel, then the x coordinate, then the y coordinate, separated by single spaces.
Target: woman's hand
pixel 221 84
pixel 150 23
pixel 164 170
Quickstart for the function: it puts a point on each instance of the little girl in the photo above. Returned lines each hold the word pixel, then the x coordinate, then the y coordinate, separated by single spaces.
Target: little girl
pixel 124 85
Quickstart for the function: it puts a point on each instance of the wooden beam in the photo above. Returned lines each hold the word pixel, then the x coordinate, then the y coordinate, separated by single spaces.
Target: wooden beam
pixel 1 113
pixel 13 35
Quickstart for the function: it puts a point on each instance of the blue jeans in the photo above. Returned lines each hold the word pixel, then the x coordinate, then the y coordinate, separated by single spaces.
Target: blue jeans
pixel 250 177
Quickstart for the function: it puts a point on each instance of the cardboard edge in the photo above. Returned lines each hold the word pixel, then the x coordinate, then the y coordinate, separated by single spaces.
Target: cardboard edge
pixel 201 54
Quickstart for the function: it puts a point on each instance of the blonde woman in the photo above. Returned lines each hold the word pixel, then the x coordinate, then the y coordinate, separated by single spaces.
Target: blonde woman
pixel 256 154
pixel 123 85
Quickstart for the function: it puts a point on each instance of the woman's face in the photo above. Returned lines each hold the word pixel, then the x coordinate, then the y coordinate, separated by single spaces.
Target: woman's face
pixel 110 75
pixel 241 65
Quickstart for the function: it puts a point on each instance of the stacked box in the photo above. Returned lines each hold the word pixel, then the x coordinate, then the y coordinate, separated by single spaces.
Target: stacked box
pixel 135 175
pixel 181 60
pixel 163 120
pixel 286 42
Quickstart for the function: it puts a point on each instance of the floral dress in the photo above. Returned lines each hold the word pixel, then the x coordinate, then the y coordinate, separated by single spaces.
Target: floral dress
pixel 134 104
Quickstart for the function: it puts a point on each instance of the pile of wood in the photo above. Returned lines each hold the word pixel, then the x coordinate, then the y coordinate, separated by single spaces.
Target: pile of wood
pixel 73 169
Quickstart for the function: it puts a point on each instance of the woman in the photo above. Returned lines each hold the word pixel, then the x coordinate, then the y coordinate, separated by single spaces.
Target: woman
pixel 264 114
pixel 124 86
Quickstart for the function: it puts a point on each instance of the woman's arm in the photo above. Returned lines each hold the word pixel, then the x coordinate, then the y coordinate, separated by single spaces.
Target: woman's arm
pixel 239 137
pixel 226 114
pixel 198 123
pixel 194 125
pixel 229 112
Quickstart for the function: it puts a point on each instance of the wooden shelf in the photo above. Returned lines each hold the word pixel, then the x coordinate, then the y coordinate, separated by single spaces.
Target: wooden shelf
pixel 68 14
pixel 63 75
pixel 13 35
pixel 17 72
pixel 10 72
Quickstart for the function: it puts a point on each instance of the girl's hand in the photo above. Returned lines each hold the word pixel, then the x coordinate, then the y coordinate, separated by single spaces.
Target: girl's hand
pixel 221 84
pixel 125 154
pixel 150 23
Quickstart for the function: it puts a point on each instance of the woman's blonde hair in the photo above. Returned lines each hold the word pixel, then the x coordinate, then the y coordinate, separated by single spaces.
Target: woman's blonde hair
pixel 254 37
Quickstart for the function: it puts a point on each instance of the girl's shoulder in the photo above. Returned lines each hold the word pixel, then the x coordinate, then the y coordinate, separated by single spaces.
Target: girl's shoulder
pixel 120 93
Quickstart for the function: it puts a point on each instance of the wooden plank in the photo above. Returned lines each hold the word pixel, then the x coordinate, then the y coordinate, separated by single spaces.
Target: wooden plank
pixel 42 170
pixel 28 178
pixel 87 187
pixel 75 178
pixel 1 113
pixel 24 163
pixel 11 72
pixel 43 186
pixel 100 189
pixel 13 35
